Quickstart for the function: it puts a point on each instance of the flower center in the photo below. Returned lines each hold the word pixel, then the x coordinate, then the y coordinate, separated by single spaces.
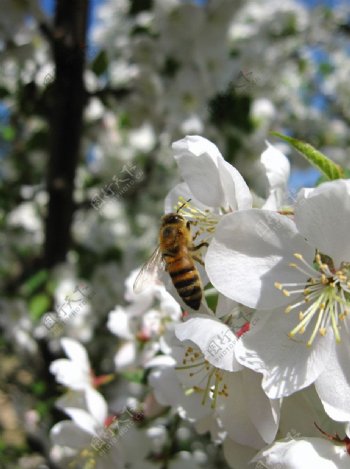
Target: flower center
pixel 325 301
pixel 205 219
pixel 210 380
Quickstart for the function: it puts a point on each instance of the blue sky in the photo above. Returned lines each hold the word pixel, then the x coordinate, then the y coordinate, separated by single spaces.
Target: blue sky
pixel 48 7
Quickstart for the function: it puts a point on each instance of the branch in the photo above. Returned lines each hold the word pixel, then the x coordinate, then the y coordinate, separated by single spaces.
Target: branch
pixel 66 114
pixel 118 93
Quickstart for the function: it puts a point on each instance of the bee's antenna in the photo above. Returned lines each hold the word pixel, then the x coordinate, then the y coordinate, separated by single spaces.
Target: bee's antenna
pixel 182 206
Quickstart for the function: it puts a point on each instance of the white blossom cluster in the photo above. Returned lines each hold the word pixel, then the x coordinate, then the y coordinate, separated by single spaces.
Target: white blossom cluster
pixel 262 366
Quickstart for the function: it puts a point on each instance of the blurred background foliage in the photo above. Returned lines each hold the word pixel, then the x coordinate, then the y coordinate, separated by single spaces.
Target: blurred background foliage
pixel 92 96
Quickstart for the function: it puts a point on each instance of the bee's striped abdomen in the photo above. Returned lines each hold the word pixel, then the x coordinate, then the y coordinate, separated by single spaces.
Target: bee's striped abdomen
pixel 186 280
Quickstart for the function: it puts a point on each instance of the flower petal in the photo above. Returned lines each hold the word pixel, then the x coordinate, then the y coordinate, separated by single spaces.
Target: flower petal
pixel 264 413
pixel 96 405
pixel 76 352
pixel 83 420
pixel 119 323
pixel 234 412
pixel 215 340
pixel 322 216
pixel 304 454
pixel 169 391
pixel 287 365
pixel 251 250
pixel 181 190
pixel 333 385
pixel 70 374
pixel 67 433
pixel 276 165
pixel 237 193
pixel 197 160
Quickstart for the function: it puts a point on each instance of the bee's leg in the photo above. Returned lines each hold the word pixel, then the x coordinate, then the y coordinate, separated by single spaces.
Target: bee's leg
pixel 198 259
pixel 197 233
pixel 201 245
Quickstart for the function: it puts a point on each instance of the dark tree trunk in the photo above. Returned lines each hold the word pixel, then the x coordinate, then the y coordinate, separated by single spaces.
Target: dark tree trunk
pixel 66 112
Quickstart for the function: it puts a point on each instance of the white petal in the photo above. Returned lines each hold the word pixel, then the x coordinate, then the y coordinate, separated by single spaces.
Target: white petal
pixel 299 413
pixel 126 355
pixel 226 306
pixel 83 420
pixel 96 405
pixel 264 413
pixel 71 399
pixel 169 391
pixel 70 374
pixel 304 454
pixel 287 365
pixel 161 360
pixel 276 165
pixel 197 160
pixel 67 433
pixel 322 216
pixel 134 444
pixel 237 193
pixel 251 250
pixel 215 340
pixel 234 413
pixel 237 455
pixel 333 385
pixel 166 386
pixel 181 190
pixel 75 351
pixel 119 323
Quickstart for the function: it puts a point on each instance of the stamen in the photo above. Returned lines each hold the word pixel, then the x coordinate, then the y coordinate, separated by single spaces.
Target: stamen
pixel 325 296
pixel 204 384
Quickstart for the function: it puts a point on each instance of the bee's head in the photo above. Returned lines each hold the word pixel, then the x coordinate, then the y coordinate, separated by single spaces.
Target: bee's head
pixel 172 218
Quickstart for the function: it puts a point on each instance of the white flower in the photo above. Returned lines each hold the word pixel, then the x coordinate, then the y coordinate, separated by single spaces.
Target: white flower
pixel 254 252
pixel 277 169
pixel 211 179
pixel 211 188
pixel 142 323
pixel 74 372
pixel 209 383
pixel 97 439
pixel 304 453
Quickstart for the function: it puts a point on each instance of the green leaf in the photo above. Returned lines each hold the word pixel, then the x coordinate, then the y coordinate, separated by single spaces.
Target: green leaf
pixel 100 63
pixel 8 133
pixel 320 161
pixel 135 376
pixel 38 388
pixel 347 173
pixel 34 282
pixel 211 296
pixel 39 305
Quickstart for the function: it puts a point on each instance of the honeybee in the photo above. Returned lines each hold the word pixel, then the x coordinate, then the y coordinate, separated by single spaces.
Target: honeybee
pixel 175 255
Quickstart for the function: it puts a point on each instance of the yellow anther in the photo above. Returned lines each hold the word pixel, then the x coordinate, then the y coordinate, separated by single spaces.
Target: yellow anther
pixel 298 256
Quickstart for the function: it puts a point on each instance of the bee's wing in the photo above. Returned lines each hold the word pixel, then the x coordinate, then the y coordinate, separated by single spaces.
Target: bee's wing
pixel 148 274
